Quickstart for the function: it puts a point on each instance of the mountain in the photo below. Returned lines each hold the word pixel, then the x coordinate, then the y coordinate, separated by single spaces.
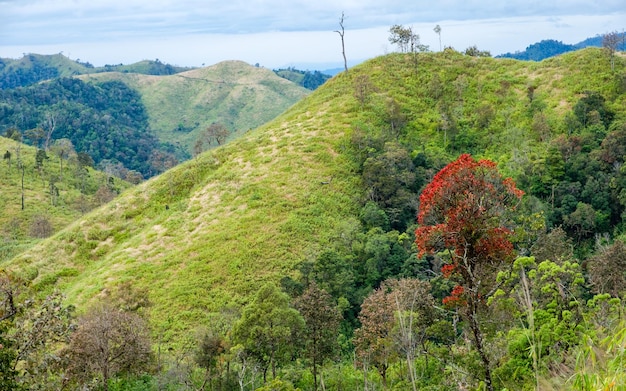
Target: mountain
pixel 332 174
pixel 145 122
pixel 235 94
pixel 33 68
pixel 550 47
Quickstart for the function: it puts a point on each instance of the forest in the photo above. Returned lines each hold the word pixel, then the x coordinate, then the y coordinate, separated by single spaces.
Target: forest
pixel 431 221
pixel 107 121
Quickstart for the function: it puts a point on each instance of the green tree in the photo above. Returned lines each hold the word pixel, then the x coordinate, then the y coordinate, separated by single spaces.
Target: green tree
pixel 40 157
pixel 406 40
pixel 268 328
pixel 321 325
pixel 475 52
pixel 8 374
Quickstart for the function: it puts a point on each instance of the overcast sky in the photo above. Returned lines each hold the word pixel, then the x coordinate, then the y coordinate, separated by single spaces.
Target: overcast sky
pixel 279 33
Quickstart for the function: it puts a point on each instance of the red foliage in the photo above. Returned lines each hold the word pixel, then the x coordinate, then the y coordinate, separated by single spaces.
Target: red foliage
pixel 456 298
pixel 464 210
pixel 447 270
pixel 462 207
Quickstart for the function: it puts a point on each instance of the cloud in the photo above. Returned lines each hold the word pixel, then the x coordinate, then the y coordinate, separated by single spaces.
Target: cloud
pixel 49 21
pixel 192 32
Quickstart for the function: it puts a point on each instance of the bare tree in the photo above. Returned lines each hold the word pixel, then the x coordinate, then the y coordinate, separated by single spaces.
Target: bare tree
pixel 343 45
pixel 107 342
pixel 610 41
pixel 437 30
pixel 50 123
pixel 63 148
pixel 217 132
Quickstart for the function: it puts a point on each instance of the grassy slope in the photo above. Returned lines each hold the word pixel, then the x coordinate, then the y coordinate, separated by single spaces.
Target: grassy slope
pixel 237 215
pixel 236 94
pixel 205 234
pixel 16 222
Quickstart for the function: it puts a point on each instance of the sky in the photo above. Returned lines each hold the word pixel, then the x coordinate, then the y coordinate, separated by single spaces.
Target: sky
pixel 281 33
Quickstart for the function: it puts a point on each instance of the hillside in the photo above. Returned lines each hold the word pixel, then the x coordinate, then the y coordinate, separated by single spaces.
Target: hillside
pixel 53 196
pixel 328 191
pixel 237 95
pixel 145 122
pixel 33 68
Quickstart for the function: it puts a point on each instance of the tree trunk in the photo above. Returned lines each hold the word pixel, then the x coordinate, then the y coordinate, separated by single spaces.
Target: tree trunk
pixel 478 341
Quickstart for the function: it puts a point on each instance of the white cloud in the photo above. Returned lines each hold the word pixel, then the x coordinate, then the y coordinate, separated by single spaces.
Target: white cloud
pixel 275 32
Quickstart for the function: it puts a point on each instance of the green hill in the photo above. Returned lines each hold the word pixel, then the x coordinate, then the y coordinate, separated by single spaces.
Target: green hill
pixel 53 196
pixel 33 68
pixel 329 189
pixel 145 122
pixel 237 95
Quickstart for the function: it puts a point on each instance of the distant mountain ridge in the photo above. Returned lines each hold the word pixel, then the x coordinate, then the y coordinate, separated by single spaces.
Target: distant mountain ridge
pixel 33 68
pixel 549 47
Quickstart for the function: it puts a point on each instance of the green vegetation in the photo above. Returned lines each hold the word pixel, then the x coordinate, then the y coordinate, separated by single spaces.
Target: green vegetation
pixel 549 48
pixel 33 68
pixel 326 195
pixel 106 121
pixel 136 126
pixel 43 193
pixel 181 107
pixel 307 79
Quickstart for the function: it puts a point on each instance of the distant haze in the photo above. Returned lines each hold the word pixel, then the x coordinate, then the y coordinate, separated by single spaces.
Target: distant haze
pixel 279 34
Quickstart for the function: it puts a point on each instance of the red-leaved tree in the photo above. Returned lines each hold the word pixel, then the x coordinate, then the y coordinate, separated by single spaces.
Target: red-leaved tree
pixel 465 214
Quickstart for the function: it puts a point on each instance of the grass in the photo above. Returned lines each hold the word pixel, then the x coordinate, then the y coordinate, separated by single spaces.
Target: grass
pixel 180 107
pixel 206 234
pixel 15 222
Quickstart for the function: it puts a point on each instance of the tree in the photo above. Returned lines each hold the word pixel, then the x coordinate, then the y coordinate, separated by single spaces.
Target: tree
pixel 212 346
pixel 475 52
pixel 7 157
pixel 607 269
pixel 372 340
pixel 108 342
pixel 394 320
pixel 406 39
pixel 321 325
pixel 63 148
pixel 363 88
pixel 268 328
pixel 414 313
pixel 40 156
pixel 465 213
pixel 610 41
pixel 437 31
pixel 41 227
pixel 30 329
pixel 217 132
pixel 401 36
pixel 342 33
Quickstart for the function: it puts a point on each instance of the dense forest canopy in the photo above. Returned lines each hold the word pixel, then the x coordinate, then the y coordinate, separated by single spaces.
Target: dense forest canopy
pixel 108 121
